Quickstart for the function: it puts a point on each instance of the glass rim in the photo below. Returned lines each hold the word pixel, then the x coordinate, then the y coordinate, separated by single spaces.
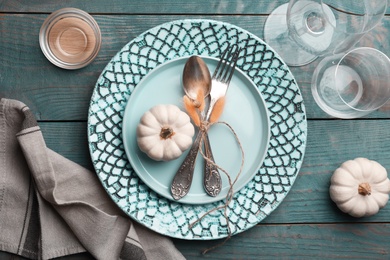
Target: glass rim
pixel 323 3
pixel 50 22
pixel 359 49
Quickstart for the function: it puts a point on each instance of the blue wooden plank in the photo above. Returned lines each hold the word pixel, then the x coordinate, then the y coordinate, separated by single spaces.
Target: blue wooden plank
pixel 306 225
pixel 307 241
pixel 58 94
pixel 330 143
pixel 260 7
pixel 146 6
pixel 314 241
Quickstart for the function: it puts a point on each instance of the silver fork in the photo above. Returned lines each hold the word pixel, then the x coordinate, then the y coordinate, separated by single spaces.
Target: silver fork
pixel 221 78
pixel 182 181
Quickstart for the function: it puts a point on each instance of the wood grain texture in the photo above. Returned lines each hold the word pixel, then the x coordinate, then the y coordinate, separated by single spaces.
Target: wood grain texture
pixel 260 7
pixel 146 6
pixel 58 94
pixel 69 139
pixel 307 224
pixel 307 241
pixel 330 143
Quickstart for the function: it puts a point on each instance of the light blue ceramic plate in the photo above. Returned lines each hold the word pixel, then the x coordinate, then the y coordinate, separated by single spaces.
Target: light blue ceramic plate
pixel 288 128
pixel 245 111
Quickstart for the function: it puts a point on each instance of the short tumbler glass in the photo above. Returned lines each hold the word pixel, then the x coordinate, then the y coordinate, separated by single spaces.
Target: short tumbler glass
pixel 352 85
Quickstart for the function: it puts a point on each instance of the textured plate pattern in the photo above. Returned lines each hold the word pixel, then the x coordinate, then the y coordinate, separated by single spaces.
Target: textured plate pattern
pixel 287 116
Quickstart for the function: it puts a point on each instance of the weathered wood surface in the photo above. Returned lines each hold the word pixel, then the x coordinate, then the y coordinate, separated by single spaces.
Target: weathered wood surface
pixel 306 225
pixel 330 142
pixel 58 94
pixel 225 7
pixel 307 241
pixel 303 241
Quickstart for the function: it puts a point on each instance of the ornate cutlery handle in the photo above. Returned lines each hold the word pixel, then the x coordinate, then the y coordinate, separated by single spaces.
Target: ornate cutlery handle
pixel 212 182
pixel 181 183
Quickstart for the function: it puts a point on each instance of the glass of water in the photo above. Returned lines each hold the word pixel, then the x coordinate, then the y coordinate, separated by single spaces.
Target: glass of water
pixel 353 84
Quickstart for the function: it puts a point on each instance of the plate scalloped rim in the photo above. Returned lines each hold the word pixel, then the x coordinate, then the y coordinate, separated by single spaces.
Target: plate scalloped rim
pixel 252 203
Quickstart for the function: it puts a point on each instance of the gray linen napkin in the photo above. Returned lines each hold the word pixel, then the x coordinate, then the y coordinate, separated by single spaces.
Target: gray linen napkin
pixel 52 207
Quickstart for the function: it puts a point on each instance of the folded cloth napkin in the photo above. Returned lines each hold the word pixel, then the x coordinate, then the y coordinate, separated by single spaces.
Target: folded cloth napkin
pixel 52 207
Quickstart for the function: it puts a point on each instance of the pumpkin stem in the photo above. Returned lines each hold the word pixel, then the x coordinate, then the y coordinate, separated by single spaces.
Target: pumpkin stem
pixel 166 132
pixel 364 189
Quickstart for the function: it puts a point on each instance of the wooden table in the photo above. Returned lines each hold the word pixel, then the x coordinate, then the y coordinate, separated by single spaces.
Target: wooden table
pixel 307 224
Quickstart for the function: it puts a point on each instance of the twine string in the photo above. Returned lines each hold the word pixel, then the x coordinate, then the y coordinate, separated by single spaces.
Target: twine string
pixel 204 126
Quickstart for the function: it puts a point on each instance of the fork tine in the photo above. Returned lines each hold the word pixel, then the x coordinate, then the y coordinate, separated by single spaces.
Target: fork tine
pixel 227 63
pixel 221 76
pixel 233 67
pixel 217 69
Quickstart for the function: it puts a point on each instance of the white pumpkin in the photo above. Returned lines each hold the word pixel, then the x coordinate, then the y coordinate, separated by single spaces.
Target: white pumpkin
pixel 164 132
pixel 360 187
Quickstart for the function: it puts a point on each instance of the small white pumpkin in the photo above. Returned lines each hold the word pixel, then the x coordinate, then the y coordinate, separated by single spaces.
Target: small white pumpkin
pixel 164 132
pixel 360 187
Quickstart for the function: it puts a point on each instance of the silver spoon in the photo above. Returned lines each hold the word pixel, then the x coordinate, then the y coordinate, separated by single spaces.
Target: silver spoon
pixel 195 75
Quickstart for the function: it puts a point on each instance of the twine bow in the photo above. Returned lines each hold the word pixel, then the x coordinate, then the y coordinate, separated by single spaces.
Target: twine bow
pixel 195 109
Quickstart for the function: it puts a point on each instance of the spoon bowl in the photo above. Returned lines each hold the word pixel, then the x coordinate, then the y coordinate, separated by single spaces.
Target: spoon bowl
pixel 197 85
pixel 196 78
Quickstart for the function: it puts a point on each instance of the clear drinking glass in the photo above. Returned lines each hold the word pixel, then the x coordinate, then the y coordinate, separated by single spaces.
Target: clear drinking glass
pixel 302 30
pixel 352 85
